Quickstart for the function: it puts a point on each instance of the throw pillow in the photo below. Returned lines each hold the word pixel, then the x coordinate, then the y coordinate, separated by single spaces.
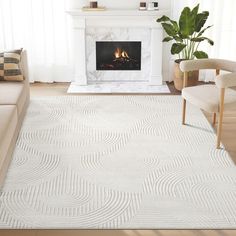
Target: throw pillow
pixel 9 66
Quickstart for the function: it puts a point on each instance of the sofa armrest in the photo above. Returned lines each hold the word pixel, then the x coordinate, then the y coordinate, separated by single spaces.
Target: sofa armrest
pixel 24 65
pixel 226 80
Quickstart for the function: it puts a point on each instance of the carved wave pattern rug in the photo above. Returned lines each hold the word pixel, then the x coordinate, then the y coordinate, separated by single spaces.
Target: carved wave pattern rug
pixel 117 162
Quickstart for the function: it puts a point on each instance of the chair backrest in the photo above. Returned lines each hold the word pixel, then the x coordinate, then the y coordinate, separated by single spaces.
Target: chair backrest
pixel 201 64
pixel 226 65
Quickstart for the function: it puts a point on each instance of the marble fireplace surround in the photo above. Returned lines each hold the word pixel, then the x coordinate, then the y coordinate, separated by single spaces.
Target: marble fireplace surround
pixel 117 25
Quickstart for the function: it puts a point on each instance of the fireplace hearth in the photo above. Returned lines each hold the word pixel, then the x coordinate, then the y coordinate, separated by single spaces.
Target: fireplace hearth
pixel 118 55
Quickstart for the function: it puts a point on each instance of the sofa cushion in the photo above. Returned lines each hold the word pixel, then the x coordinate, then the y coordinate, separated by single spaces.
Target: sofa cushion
pixel 9 66
pixel 13 93
pixel 8 124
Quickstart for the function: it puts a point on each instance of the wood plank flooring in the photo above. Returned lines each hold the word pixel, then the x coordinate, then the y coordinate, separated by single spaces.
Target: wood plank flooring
pixel 117 232
pixel 229 140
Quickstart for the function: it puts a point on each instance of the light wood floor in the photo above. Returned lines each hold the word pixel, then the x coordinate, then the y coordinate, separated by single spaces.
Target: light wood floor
pixel 229 140
pixel 117 233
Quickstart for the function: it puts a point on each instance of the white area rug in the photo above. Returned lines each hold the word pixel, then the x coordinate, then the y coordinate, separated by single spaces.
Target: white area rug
pixel 117 162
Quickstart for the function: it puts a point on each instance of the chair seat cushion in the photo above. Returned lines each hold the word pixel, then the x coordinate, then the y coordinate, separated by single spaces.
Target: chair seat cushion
pixel 8 124
pixel 13 93
pixel 207 97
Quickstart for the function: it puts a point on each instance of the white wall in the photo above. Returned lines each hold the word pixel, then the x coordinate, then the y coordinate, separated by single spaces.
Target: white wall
pixel 164 4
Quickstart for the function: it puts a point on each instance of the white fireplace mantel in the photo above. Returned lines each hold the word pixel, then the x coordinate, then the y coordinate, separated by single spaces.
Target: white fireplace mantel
pixel 117 18
pixel 117 12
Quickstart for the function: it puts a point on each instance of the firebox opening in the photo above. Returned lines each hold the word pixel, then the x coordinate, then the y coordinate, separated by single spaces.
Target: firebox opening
pixel 118 55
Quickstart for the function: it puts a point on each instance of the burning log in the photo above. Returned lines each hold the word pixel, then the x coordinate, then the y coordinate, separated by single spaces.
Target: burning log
pixel 121 55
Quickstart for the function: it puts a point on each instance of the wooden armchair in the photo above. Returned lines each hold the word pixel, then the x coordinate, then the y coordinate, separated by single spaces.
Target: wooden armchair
pixel 213 98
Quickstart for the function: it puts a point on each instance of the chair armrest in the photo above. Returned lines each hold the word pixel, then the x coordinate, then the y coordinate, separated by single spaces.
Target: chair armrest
pixel 226 80
pixel 200 64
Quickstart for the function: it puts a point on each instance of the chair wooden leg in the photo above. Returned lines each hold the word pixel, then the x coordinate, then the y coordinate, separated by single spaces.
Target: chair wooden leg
pixel 184 112
pixel 219 130
pixel 214 119
pixel 185 84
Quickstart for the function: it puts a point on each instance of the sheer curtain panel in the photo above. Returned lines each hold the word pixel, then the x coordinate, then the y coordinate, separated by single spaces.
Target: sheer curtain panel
pixel 42 27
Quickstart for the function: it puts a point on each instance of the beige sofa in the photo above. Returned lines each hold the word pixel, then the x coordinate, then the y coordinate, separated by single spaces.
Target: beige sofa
pixel 14 100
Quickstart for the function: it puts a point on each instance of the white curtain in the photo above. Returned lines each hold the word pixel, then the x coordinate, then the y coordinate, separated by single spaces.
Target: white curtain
pixel 42 27
pixel 223 33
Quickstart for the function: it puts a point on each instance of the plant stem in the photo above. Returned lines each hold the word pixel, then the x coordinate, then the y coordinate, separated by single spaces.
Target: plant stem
pixel 197 46
pixel 192 50
pixel 186 50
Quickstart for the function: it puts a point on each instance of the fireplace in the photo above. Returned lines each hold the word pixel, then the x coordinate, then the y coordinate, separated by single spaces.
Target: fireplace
pixel 117 55
pixel 91 29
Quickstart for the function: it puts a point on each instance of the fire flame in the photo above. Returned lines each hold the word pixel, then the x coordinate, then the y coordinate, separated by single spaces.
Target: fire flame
pixel 119 53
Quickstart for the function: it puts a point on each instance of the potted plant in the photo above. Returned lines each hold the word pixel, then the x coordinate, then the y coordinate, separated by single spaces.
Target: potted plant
pixel 187 35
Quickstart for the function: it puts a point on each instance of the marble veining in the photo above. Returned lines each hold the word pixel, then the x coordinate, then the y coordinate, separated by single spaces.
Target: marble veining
pixel 118 87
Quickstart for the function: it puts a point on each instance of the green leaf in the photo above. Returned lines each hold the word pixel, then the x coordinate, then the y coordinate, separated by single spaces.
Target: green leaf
pixel 177 48
pixel 201 20
pixel 197 39
pixel 167 39
pixel 203 31
pixel 211 42
pixel 175 25
pixel 200 55
pixel 169 29
pixel 200 39
pixel 163 19
pixel 178 39
pixel 195 11
pixel 187 22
